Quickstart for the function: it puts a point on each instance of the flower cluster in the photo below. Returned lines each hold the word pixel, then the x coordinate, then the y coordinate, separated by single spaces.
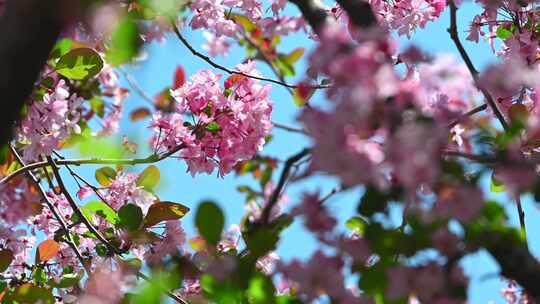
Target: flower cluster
pixel 216 127
pixel 49 121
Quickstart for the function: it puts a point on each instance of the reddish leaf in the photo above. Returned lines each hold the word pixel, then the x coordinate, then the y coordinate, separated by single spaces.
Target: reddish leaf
pixel 6 257
pixel 232 80
pixel 164 211
pixel 47 250
pixel 179 77
pixel 139 113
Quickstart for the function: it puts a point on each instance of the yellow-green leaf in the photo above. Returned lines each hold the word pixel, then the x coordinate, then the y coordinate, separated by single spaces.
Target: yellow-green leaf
pixel 79 64
pixel 105 176
pixel 244 22
pixel 294 56
pixel 149 178
pixel 164 211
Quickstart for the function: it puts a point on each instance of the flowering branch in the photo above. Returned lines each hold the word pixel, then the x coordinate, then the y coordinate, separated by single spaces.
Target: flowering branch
pixel 229 71
pixel 478 109
pixel 76 208
pixel 474 73
pixel 55 213
pixel 154 158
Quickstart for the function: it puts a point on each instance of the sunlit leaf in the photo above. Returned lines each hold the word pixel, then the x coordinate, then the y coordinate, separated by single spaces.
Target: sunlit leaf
pixel 30 293
pixel 357 225
pixel 47 250
pixel 149 178
pixel 210 221
pixel 101 209
pixel 244 22
pixel 496 186
pixel 261 290
pixel 67 280
pixel 79 64
pixel 294 56
pixel 105 176
pixel 164 211
pixel 61 48
pixel 125 42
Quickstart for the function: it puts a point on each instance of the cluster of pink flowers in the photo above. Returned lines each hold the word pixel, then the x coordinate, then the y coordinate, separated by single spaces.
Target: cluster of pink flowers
pixel 221 126
pixel 111 88
pixel 49 121
pixel 123 189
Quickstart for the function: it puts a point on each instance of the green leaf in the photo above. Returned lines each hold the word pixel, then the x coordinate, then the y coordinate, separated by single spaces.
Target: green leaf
pixel 210 221
pixel 125 42
pixel 101 209
pixel 149 178
pixel 80 64
pixel 105 176
pixel 261 290
pixel 39 276
pixel 61 48
pixel 30 293
pixel 284 67
pixel 357 225
pixel 130 216
pixel 164 211
pixel 98 106
pixel 6 257
pixel 67 280
pixel 212 127
pixel 503 32
pixel 496 186
pixel 294 56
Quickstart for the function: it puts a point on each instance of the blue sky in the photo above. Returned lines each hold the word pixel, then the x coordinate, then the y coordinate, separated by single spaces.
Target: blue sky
pixel 156 73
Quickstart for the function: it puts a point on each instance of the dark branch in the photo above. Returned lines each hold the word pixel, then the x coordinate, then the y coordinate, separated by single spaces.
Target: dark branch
pixel 474 73
pixel 28 30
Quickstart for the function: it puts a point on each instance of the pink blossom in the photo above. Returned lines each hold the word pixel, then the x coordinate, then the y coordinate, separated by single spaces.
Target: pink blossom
pixel 215 46
pixel 312 281
pixel 84 192
pixel 171 243
pixel 49 121
pixel 316 216
pixel 230 125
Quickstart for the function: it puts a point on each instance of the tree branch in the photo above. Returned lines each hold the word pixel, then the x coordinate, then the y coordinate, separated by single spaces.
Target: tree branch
pixel 289 163
pixel 227 70
pixel 359 12
pixel 314 12
pixel 77 209
pixel 154 158
pixel 468 62
pixel 55 213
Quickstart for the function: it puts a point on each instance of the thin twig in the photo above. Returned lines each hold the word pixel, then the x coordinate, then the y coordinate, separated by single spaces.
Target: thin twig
pixel 229 71
pixel 474 157
pixel 521 215
pixel 470 113
pixel 468 62
pixel 154 158
pixel 135 86
pixel 76 207
pixel 265 217
pixel 289 129
pixel 55 213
